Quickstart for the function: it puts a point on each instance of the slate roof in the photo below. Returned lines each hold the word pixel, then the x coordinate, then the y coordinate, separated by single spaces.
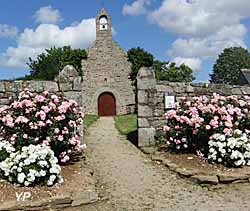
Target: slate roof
pixel 246 75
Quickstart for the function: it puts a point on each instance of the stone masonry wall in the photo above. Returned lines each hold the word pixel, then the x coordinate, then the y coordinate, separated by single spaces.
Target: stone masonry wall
pixel 68 83
pixel 107 70
pixel 150 100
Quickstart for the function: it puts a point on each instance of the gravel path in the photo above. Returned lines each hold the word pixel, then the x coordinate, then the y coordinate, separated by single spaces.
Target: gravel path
pixel 131 181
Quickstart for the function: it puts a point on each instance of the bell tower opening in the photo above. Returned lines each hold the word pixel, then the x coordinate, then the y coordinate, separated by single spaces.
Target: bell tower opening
pixel 103 23
pixel 103 26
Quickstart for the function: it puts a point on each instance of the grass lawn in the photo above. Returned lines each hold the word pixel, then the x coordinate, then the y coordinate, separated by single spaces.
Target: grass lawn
pixel 89 119
pixel 126 123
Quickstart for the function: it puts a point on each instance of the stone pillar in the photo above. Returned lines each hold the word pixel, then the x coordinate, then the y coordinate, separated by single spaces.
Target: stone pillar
pixel 146 83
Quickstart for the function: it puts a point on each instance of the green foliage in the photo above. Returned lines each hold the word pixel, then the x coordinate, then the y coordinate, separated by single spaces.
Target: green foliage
pixel 164 70
pixel 126 123
pixel 47 65
pixel 228 65
pixel 139 58
pixel 170 72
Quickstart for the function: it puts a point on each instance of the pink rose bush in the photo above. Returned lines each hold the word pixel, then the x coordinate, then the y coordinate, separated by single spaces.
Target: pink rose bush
pixel 42 119
pixel 192 126
pixel 37 133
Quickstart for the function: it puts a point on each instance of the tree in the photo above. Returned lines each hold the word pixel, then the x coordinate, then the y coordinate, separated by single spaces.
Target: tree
pixel 47 65
pixel 167 71
pixel 139 58
pixel 228 65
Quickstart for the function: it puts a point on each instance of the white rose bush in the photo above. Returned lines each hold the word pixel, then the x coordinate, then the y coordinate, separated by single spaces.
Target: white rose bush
pixel 37 134
pixel 34 164
pixel 216 128
pixel 230 149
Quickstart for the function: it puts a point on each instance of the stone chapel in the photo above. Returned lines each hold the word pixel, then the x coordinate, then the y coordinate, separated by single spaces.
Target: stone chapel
pixel 107 89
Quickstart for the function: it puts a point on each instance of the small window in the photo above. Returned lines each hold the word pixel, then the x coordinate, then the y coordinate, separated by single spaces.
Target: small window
pixel 103 23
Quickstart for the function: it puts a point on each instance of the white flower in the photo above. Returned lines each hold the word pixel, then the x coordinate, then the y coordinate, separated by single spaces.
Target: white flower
pixel 21 177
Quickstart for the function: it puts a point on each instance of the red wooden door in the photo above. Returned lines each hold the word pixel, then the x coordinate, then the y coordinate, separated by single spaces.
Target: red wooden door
pixel 106 104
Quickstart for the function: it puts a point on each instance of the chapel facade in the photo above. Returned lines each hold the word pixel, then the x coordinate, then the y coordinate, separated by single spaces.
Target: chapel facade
pixel 107 88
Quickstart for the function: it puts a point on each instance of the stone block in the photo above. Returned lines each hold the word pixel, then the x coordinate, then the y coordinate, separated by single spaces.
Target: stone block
pixel 143 122
pixel 146 84
pixel 145 111
pixel 179 89
pixel 65 87
pixel 228 177
pixel 77 84
pixel 159 112
pixel 77 96
pixel 35 86
pixel 205 179
pixel 146 136
pixel 13 86
pixel 236 91
pixel 67 74
pixel 51 86
pixel 142 97
pixel 86 197
pixel 245 90
pixel 2 87
pixel 189 89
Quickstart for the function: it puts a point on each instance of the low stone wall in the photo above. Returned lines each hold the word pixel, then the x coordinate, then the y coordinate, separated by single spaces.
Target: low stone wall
pixel 69 87
pixel 150 100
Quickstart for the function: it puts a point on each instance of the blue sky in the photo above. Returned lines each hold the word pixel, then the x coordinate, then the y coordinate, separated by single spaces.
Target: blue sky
pixel 193 32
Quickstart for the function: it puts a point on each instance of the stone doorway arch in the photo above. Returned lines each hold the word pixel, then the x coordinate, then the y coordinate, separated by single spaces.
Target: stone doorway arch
pixel 106 104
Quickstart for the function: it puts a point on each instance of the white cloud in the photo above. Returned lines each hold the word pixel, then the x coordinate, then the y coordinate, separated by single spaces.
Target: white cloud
pixel 8 31
pixel 47 15
pixel 138 7
pixel 204 27
pixel 194 63
pixel 34 41
pixel 209 47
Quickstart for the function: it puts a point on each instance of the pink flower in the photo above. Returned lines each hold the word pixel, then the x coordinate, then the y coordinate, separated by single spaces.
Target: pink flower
pixel 60 138
pixel 55 99
pixel 25 136
pixel 49 122
pixel 21 119
pixel 45 93
pixel 193 111
pixel 56 131
pixel 228 124
pixel 46 109
pixel 8 120
pixel 27 103
pixel 72 123
pixel 214 123
pixel 46 142
pixel 166 128
pixel 40 98
pixel 17 104
pixel 65 159
pixel 171 114
pixel 227 131
pixel 41 124
pixel 60 118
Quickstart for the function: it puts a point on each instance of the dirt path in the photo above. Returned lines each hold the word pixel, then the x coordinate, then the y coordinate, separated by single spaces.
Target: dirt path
pixel 132 182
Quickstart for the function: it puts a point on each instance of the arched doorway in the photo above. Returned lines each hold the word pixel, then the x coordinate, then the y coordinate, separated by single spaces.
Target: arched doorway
pixel 106 104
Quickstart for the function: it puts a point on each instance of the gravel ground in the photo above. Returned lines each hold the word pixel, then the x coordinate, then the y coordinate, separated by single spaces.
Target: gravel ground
pixel 131 181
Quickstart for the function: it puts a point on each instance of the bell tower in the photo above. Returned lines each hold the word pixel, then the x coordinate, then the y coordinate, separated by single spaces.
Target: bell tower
pixel 103 26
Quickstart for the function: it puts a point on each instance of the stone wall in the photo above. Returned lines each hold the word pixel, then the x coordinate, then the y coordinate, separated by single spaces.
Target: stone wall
pixel 69 86
pixel 150 100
